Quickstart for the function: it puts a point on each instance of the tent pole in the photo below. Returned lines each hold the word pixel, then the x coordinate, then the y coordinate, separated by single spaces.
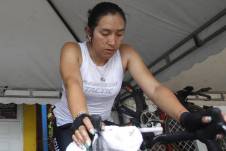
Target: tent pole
pixel 64 21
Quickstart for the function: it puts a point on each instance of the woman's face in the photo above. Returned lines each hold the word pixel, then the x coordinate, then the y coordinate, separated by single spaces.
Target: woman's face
pixel 108 35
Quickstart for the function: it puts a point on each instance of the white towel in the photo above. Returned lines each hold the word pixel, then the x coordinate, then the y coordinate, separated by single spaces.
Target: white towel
pixel 114 138
pixel 74 147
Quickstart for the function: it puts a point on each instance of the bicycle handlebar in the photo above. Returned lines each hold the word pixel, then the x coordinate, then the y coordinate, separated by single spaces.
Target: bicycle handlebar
pixel 206 135
pixel 182 136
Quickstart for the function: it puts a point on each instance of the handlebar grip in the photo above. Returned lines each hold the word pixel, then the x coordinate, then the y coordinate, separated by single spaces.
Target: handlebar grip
pixel 96 121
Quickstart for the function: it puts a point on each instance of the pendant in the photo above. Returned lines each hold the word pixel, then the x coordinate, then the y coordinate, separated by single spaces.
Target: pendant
pixel 102 79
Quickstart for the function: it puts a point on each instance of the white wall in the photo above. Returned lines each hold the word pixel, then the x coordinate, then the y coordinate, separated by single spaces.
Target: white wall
pixel 11 132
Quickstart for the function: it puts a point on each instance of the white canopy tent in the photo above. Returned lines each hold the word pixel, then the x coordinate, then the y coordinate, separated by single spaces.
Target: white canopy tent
pixel 32 35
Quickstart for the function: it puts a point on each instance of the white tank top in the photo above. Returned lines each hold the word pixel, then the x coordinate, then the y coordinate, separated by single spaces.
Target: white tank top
pixel 101 85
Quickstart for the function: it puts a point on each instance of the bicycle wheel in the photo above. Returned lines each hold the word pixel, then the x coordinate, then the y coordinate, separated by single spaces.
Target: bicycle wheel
pixel 130 108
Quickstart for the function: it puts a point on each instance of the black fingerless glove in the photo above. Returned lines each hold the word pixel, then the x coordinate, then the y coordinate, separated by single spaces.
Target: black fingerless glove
pixel 95 120
pixel 193 121
pixel 79 121
pixel 204 131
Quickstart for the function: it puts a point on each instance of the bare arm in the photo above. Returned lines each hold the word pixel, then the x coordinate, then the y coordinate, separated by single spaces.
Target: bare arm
pixel 158 93
pixel 70 61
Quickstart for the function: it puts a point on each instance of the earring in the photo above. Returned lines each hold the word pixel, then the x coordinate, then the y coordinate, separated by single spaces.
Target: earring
pixel 88 37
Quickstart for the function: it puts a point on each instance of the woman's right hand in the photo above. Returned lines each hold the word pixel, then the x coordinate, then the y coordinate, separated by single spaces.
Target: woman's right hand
pixel 82 134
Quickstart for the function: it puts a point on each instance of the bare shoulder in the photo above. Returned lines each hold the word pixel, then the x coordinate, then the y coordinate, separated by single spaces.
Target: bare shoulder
pixel 71 47
pixel 127 53
pixel 126 47
pixel 71 50
pixel 127 50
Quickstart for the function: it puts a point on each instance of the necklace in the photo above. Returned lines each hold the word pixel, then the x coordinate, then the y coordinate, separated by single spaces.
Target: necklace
pixel 102 70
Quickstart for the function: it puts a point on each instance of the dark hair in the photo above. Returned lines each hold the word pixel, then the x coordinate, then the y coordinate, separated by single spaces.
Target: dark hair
pixel 102 9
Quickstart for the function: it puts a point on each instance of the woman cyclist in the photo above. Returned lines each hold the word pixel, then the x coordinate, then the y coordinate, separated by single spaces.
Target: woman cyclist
pixel 92 74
